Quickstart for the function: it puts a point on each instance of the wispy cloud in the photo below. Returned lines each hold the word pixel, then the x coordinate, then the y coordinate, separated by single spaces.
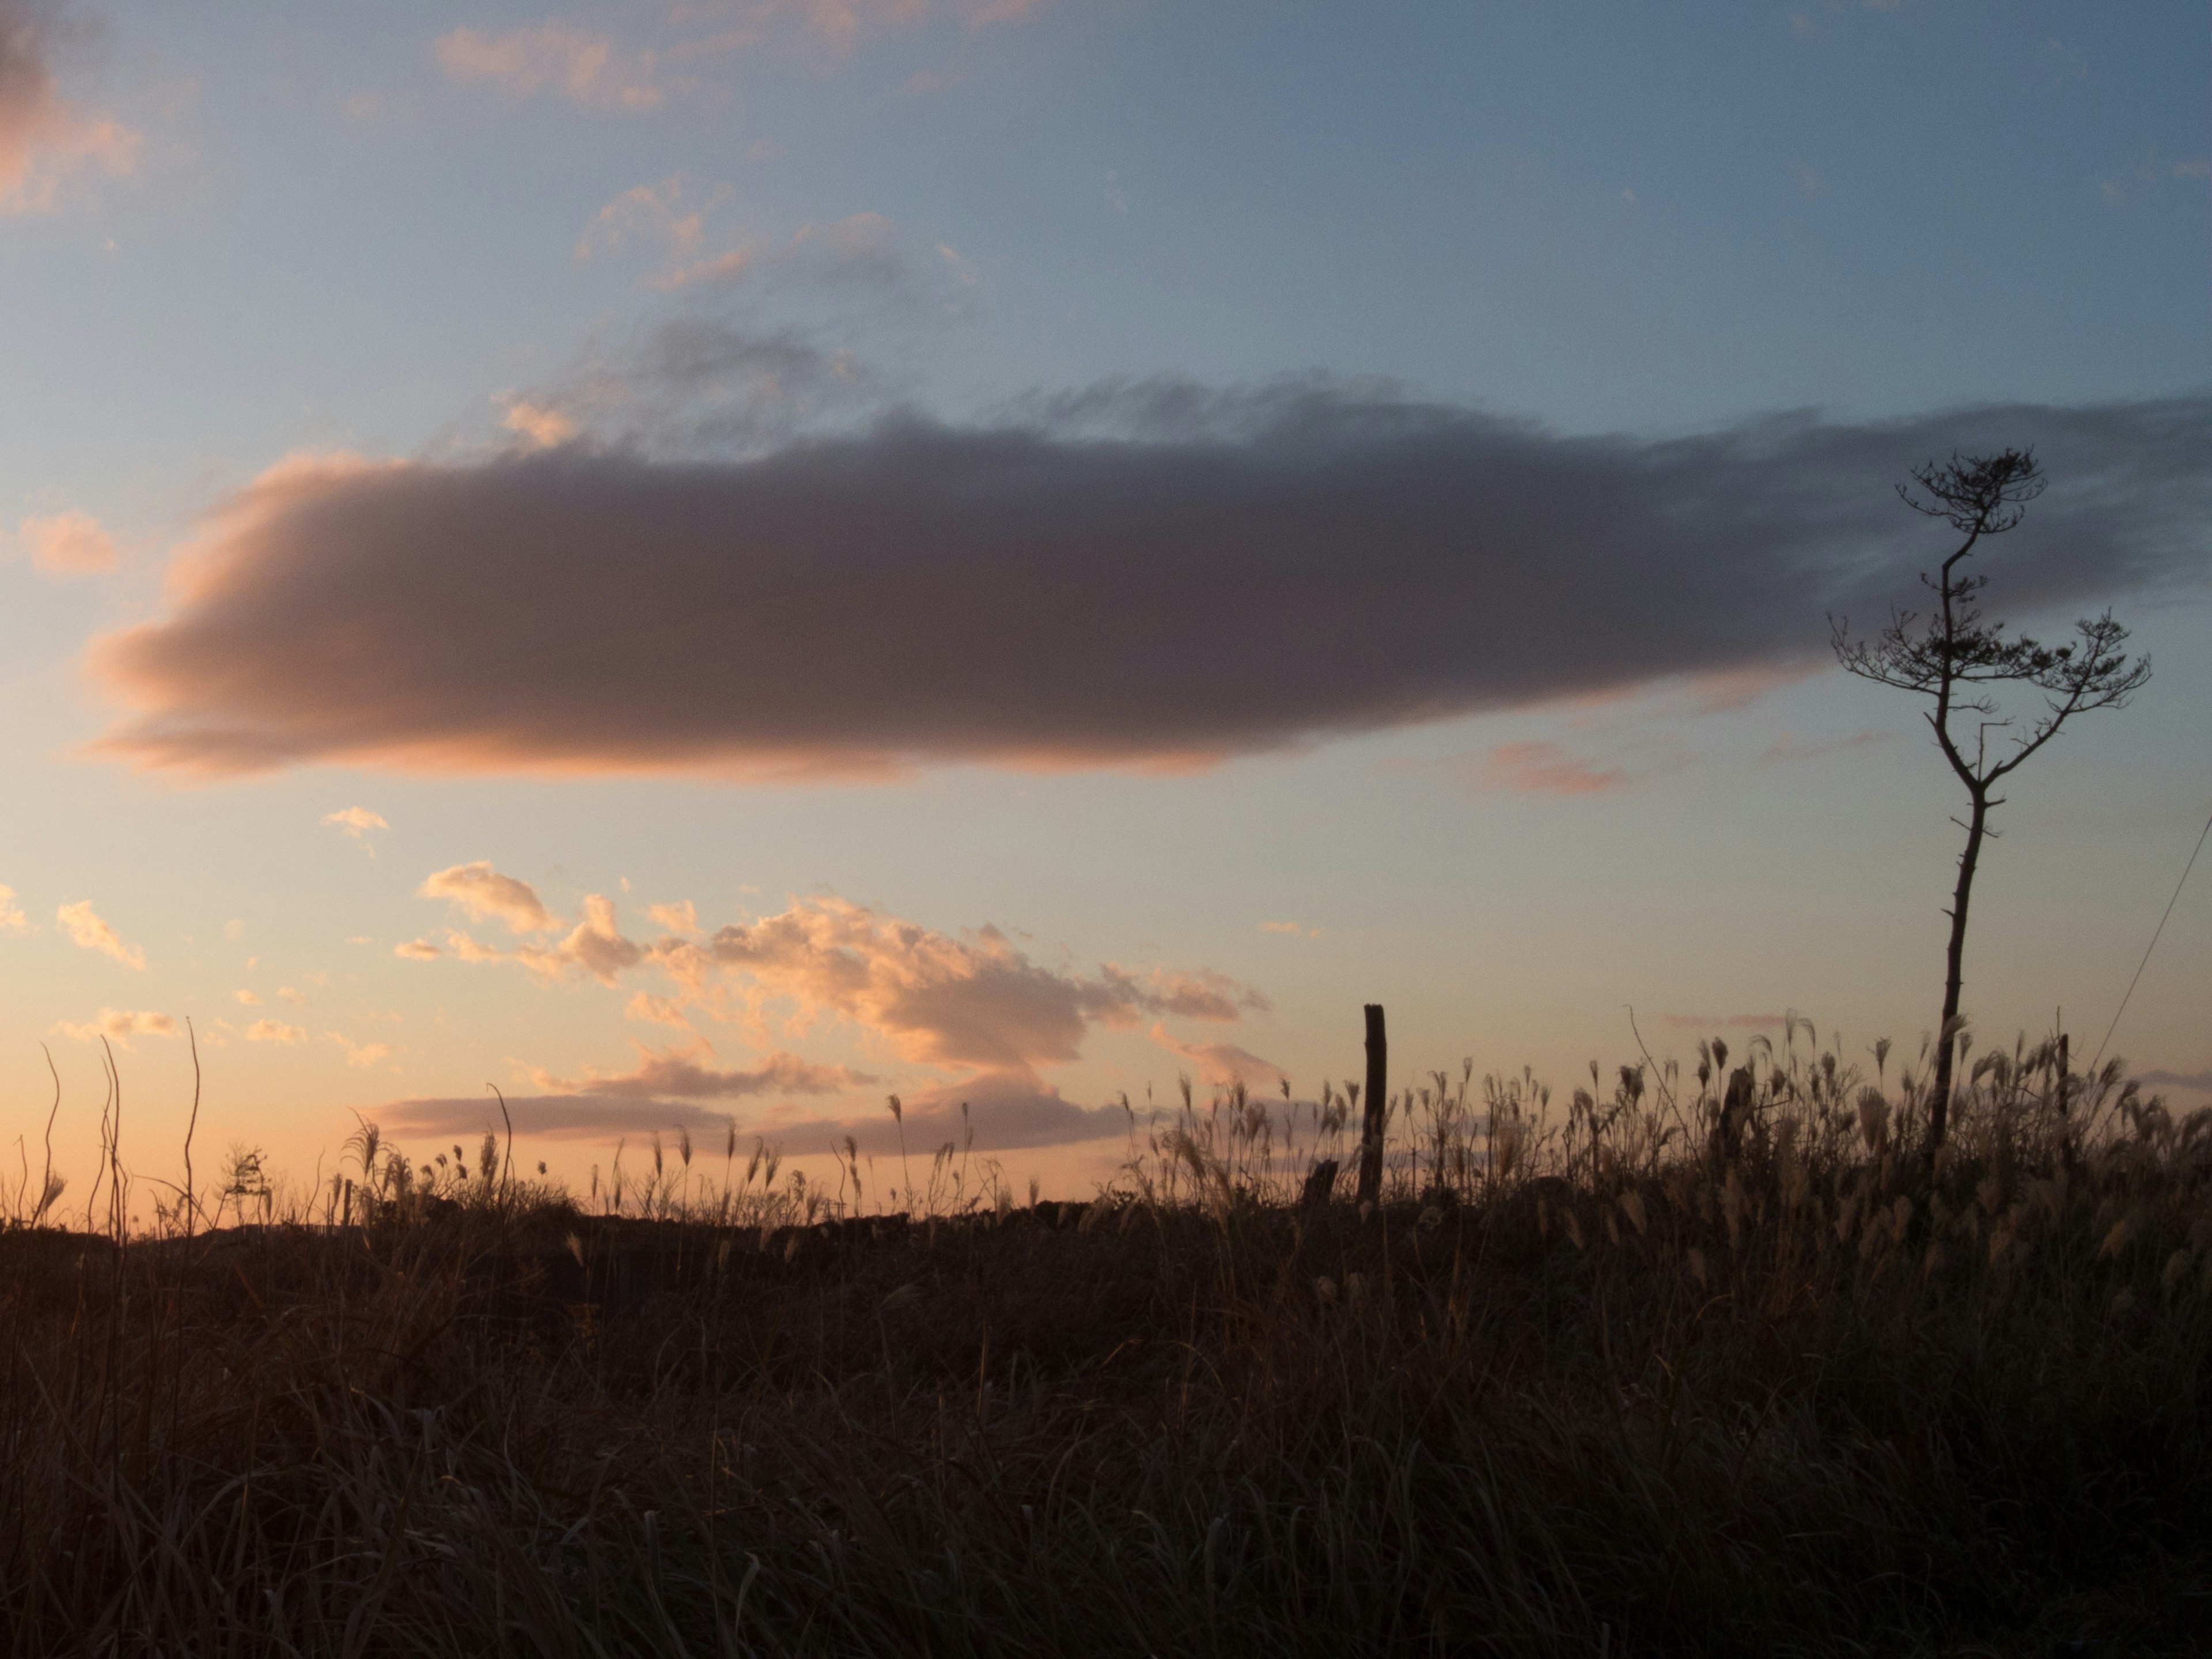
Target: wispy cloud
pixel 1787 746
pixel 1540 769
pixel 1289 927
pixel 82 924
pixel 1115 580
pixel 587 69
pixel 12 919
pixel 2198 1082
pixel 274 1030
pixel 682 1074
pixel 1221 1064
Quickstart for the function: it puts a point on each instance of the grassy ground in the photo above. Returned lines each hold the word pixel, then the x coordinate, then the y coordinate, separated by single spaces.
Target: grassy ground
pixel 1653 1374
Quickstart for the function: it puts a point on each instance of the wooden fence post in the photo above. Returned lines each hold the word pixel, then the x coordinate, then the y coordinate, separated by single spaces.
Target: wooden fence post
pixel 1377 1097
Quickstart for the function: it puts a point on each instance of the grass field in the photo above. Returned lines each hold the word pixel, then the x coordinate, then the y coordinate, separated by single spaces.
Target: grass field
pixel 1641 1372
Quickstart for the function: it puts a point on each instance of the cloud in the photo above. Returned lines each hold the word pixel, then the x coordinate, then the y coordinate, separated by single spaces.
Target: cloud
pixel 682 917
pixel 545 428
pixel 417 950
pixel 1221 1064
pixel 486 894
pixel 80 924
pixel 44 138
pixel 682 1073
pixel 973 1002
pixel 274 1030
pixel 2199 1082
pixel 1132 576
pixel 1788 747
pixel 1540 769
pixel 360 1053
pixel 297 999
pixel 1007 1111
pixel 355 822
pixel 12 919
pixel 251 998
pixel 548 1117
pixel 120 1025
pixel 63 544
pixel 1289 927
pixel 587 69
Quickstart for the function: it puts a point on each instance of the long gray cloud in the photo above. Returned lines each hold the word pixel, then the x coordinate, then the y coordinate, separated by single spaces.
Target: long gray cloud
pixel 1138 575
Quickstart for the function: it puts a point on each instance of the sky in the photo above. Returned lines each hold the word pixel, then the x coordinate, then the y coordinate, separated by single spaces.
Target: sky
pixel 706 563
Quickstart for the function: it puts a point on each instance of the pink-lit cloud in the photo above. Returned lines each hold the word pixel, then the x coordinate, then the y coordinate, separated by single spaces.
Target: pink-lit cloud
pixel 64 544
pixel 45 139
pixel 120 1025
pixel 486 894
pixel 274 1030
pixel 588 69
pixel 1127 577
pixel 1540 768
pixel 84 925
pixel 356 824
pixel 1219 1065
pixel 973 1001
pixel 12 919
pixel 684 1073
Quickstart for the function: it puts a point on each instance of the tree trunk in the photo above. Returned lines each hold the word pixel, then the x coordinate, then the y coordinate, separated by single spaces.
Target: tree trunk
pixel 1939 1107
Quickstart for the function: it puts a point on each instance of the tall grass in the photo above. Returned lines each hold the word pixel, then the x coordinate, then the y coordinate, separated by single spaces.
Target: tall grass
pixel 1708 1364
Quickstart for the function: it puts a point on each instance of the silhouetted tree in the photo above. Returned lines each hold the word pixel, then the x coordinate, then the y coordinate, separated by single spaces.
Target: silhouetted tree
pixel 1956 658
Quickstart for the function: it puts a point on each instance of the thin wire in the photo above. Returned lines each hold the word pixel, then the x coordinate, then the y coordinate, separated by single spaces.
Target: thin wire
pixel 2153 945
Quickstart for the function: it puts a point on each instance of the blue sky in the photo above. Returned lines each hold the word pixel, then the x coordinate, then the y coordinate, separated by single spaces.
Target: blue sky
pixel 420 237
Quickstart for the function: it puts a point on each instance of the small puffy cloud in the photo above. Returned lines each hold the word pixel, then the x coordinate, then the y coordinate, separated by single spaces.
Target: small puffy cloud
pixel 486 894
pixel 63 544
pixel 545 428
pixel 297 999
pixel 79 921
pixel 12 919
pixel 1289 927
pixel 596 945
pixel 1221 1064
pixel 120 1025
pixel 274 1030
pixel 355 822
pixel 45 138
pixel 588 69
pixel 251 998
pixel 234 930
pixel 1540 769
pixel 417 950
pixel 681 917
pixel 360 1054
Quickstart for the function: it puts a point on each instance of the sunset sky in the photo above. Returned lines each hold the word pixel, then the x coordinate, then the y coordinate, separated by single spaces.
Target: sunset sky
pixel 710 561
